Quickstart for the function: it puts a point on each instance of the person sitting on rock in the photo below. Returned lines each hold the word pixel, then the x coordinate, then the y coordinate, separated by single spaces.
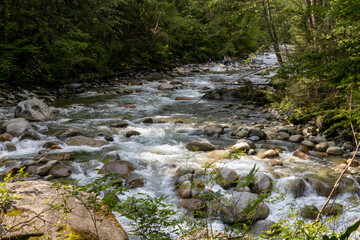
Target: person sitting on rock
pixel 227 60
pixel 208 61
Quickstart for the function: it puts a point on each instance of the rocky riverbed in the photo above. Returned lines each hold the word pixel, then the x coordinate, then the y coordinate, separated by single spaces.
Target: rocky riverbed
pixel 160 131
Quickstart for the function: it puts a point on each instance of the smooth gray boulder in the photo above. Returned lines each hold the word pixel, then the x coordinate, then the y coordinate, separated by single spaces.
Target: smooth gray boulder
pixel 17 126
pixel 334 151
pixel 34 110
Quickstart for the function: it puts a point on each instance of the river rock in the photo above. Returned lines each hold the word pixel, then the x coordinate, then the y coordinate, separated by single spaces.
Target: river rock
pixel 34 196
pixel 319 139
pixel 30 136
pixel 251 143
pixel 308 131
pixel 297 187
pixel 333 209
pixel 183 178
pixel 119 125
pixel 261 183
pixel 258 133
pixel 231 213
pixel 111 157
pixel 6 137
pixel 10 147
pixel 135 181
pixel 200 144
pixel 184 190
pixel 242 134
pixel 261 227
pixel 70 132
pixel 348 146
pixel 296 138
pixel 123 168
pixel 193 205
pixel 43 170
pixel 226 177
pixel 214 130
pixel 184 169
pixel 16 126
pixel 34 110
pixel 309 212
pixel 183 99
pixel 308 144
pixel 321 147
pixel 321 188
pixel 165 86
pixel 282 136
pixel 274 162
pixel 301 155
pixel 334 151
pixel 268 153
pixel 197 186
pixel 318 154
pixel 132 133
pixel 61 171
pixel 79 141
pixel 241 146
pixel 106 136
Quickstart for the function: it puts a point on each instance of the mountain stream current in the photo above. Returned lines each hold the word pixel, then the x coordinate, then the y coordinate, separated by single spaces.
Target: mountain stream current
pixel 160 148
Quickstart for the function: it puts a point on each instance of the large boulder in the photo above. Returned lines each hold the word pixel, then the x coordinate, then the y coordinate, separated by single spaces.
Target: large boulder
pixel 32 204
pixel 61 171
pixel 261 183
pixel 321 188
pixel 296 138
pixel 232 211
pixel 227 177
pixel 200 144
pixel 34 110
pixel 297 187
pixel 123 168
pixel 17 126
pixel 79 141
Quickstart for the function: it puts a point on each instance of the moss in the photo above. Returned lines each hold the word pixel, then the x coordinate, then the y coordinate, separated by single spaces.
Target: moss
pixel 77 234
pixel 15 212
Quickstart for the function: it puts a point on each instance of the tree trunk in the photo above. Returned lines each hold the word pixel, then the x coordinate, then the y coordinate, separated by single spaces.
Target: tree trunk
pixel 271 29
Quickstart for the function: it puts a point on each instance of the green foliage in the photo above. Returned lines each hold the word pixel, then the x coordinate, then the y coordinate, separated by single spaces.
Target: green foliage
pixel 42 42
pixel 6 198
pixel 152 217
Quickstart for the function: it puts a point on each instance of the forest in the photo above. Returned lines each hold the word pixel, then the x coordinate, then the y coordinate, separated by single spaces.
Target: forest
pixel 43 42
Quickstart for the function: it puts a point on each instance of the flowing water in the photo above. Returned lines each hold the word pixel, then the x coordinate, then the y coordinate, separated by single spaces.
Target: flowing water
pixel 160 148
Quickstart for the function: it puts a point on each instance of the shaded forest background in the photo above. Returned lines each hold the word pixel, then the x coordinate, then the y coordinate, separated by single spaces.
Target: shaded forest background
pixel 60 40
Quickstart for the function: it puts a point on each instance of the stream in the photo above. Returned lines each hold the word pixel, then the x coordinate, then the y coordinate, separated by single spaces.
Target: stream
pixel 160 148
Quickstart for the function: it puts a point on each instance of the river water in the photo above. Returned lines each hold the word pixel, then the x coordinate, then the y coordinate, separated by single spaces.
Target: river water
pixel 160 148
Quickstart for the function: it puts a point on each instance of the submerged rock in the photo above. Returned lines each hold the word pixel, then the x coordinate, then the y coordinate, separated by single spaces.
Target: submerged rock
pixel 79 141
